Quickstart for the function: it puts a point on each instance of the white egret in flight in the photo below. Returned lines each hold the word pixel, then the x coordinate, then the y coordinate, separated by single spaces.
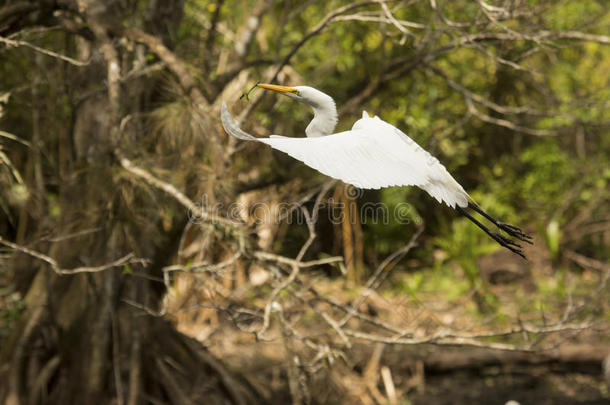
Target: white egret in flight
pixel 371 155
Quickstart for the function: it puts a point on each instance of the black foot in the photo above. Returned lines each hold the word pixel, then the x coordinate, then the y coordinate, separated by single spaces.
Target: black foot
pixel 509 229
pixel 515 232
pixel 507 243
pixel 504 241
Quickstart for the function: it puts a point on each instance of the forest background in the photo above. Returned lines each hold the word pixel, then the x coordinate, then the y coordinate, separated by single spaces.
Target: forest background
pixel 147 257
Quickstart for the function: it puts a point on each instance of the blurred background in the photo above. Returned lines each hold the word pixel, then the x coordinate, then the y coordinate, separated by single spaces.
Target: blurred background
pixel 148 257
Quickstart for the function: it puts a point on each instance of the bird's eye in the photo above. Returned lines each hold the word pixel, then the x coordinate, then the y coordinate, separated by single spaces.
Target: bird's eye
pixel 295 92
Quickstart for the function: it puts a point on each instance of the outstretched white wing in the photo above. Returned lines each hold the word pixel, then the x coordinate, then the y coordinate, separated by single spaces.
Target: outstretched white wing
pixel 373 154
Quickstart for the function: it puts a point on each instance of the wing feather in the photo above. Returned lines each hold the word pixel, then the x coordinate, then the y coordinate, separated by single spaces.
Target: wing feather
pixel 356 157
pixel 372 155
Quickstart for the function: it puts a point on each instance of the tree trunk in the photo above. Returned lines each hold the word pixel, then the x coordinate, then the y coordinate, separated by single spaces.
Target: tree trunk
pixel 85 338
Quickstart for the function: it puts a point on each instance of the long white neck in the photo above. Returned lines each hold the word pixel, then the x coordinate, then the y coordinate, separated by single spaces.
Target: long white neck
pixel 324 117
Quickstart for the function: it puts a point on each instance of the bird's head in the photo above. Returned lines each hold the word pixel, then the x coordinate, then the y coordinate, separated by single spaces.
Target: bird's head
pixel 325 111
pixel 305 94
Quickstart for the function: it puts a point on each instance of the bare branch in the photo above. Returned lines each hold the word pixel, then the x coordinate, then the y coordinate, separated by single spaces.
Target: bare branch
pixel 587 262
pixel 317 30
pixel 16 43
pixel 175 64
pixel 377 17
pixel 445 338
pixel 127 259
pixel 15 138
pixel 293 262
pixel 537 37
pixel 502 109
pixel 575 35
pixel 204 267
pixel 375 280
pixel 7 162
pixel 505 123
pixel 392 20
pixel 243 40
pixel 174 192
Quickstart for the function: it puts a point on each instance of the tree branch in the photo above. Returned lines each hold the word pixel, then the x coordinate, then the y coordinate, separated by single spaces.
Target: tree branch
pixel 16 43
pixel 127 259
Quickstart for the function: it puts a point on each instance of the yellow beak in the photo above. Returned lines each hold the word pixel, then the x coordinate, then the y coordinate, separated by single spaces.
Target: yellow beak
pixel 279 89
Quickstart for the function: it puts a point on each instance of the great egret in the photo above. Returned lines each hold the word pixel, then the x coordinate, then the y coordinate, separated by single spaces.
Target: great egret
pixel 371 155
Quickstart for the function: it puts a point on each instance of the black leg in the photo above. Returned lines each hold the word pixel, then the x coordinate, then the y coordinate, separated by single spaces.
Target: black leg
pixel 501 239
pixel 509 229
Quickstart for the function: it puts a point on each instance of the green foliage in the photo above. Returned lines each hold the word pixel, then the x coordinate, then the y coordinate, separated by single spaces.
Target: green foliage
pixel 465 247
pixel 552 236
pixel 538 183
pixel 541 183
pixel 12 307
pixel 389 225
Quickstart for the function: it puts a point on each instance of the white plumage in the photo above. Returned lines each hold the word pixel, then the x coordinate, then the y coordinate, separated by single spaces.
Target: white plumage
pixel 373 154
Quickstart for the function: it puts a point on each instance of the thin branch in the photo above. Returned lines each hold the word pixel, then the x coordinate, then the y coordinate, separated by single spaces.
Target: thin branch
pixel 505 123
pixel 316 30
pixel 248 31
pixel 502 109
pixel 445 338
pixel 193 208
pixel 127 259
pixel 435 340
pixel 6 161
pixel 144 308
pixel 175 64
pixel 537 37
pixel 587 262
pixel 392 20
pixel 17 43
pixel 576 35
pixel 15 138
pixel 271 304
pixel 376 279
pixel 203 267
pixel 211 37
pixel 378 18
pixel 293 262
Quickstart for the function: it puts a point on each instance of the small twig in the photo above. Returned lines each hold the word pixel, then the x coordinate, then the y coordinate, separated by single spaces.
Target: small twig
pixel 333 324
pixel 260 334
pixel 373 280
pixel 144 308
pixel 505 123
pixel 316 30
pixel 435 340
pixel 388 383
pixel 392 20
pixel 247 94
pixel 142 71
pixel 174 192
pixel 6 161
pixel 502 109
pixel 293 262
pixel 15 138
pixel 127 259
pixel 61 238
pixel 16 43
pixel 587 262
pixel 203 267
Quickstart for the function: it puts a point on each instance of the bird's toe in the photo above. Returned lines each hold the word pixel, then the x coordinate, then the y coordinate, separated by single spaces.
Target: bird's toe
pixel 515 232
